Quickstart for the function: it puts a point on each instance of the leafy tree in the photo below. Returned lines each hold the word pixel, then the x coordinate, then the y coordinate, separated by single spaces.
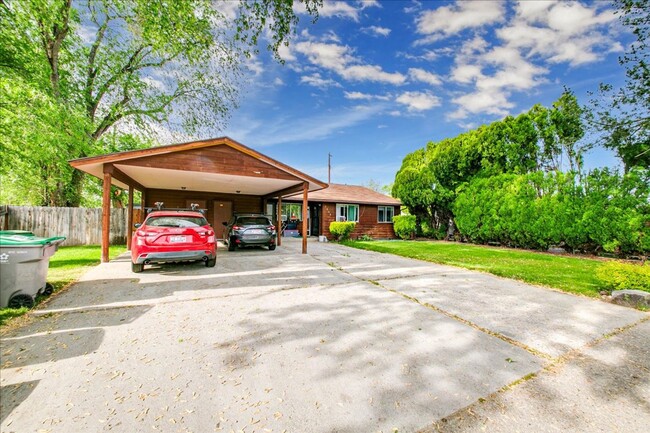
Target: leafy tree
pixel 276 16
pixel 622 115
pixel 542 138
pixel 387 189
pixel 373 185
pixel 79 71
pixel 566 118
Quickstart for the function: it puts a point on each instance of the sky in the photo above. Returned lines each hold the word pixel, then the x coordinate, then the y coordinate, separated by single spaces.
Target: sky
pixel 370 81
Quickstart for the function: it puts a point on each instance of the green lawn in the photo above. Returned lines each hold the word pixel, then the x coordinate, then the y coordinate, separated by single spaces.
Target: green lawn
pixel 570 274
pixel 66 266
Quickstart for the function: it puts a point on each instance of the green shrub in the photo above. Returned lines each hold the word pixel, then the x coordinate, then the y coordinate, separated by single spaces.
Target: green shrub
pixel 601 211
pixel 404 226
pixel 342 230
pixel 624 276
pixel 365 238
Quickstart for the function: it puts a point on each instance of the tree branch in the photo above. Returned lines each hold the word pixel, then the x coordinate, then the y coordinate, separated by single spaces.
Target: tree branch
pixel 52 42
pixel 118 112
pixel 92 69
pixel 127 68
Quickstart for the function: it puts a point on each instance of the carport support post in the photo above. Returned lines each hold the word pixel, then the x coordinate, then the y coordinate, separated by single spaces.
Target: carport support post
pixel 129 220
pixel 143 203
pixel 106 213
pixel 305 190
pixel 278 241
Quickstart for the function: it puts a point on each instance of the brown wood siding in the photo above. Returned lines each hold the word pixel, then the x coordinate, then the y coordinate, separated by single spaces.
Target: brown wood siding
pixel 218 159
pixel 367 224
pixel 177 199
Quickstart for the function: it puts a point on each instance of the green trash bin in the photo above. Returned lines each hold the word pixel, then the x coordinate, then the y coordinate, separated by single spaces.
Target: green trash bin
pixel 24 260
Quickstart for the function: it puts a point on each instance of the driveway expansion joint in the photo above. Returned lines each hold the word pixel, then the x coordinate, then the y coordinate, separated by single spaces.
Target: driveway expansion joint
pixel 473 325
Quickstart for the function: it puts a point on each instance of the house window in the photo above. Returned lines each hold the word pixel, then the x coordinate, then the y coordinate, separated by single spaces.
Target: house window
pixel 385 214
pixel 347 212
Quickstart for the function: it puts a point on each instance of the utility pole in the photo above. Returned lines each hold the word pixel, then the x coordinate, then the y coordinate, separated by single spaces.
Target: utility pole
pixel 329 168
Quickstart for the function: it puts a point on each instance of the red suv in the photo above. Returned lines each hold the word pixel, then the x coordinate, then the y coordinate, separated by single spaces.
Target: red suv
pixel 173 236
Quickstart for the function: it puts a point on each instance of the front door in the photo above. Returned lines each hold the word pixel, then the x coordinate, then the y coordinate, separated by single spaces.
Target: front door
pixel 314 219
pixel 222 212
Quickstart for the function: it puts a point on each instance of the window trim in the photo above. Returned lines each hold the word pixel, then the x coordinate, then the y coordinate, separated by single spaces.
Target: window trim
pixel 347 205
pixel 392 208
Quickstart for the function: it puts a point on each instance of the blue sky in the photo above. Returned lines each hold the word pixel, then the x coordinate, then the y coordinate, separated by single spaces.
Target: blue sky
pixel 372 81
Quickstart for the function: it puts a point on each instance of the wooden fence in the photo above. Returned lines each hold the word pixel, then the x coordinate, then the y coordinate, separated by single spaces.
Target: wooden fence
pixel 80 226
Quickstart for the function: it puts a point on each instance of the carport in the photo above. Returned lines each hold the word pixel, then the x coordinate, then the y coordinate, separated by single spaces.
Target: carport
pixel 220 174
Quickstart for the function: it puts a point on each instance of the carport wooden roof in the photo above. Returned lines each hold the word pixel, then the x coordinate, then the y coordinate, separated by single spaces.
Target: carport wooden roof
pixel 220 165
pixel 215 165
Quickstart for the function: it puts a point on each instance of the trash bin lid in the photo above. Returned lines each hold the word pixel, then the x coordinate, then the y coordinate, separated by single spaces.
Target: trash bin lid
pixel 16 232
pixel 26 239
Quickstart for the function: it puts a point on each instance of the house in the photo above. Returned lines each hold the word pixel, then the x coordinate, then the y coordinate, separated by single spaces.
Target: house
pixel 372 211
pixel 221 175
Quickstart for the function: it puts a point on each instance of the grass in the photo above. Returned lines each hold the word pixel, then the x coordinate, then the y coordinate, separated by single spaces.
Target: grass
pixel 569 274
pixel 66 266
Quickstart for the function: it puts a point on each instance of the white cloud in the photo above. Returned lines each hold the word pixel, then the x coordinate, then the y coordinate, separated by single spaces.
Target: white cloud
pixel 339 58
pixel 424 76
pixel 490 101
pixel 328 56
pixel 255 66
pixel 286 54
pixel 466 74
pixel 377 31
pixel 448 20
pixel 414 7
pixel 278 81
pixel 365 4
pixel 538 33
pixel 494 75
pixel 468 126
pixel 330 36
pixel 427 55
pixel 339 9
pixel 305 129
pixel 418 101
pixel 317 81
pixel 560 32
pixel 371 73
pixel 365 96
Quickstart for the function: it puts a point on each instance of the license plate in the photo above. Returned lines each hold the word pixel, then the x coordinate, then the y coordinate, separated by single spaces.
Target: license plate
pixel 256 232
pixel 177 239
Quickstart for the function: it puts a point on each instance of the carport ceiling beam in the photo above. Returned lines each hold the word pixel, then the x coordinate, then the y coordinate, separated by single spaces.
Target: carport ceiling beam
pixel 281 193
pixel 123 177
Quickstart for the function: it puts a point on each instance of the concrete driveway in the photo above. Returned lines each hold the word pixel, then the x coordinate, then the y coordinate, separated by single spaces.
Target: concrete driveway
pixel 339 340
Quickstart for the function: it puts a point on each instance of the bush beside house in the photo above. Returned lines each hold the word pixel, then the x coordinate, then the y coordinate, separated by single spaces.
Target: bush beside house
pixel 342 230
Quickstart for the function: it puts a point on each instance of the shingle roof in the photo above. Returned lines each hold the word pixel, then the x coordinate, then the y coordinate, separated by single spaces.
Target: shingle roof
pixel 351 194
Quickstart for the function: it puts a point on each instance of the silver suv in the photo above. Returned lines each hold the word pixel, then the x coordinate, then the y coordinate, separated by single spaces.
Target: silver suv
pixel 249 230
